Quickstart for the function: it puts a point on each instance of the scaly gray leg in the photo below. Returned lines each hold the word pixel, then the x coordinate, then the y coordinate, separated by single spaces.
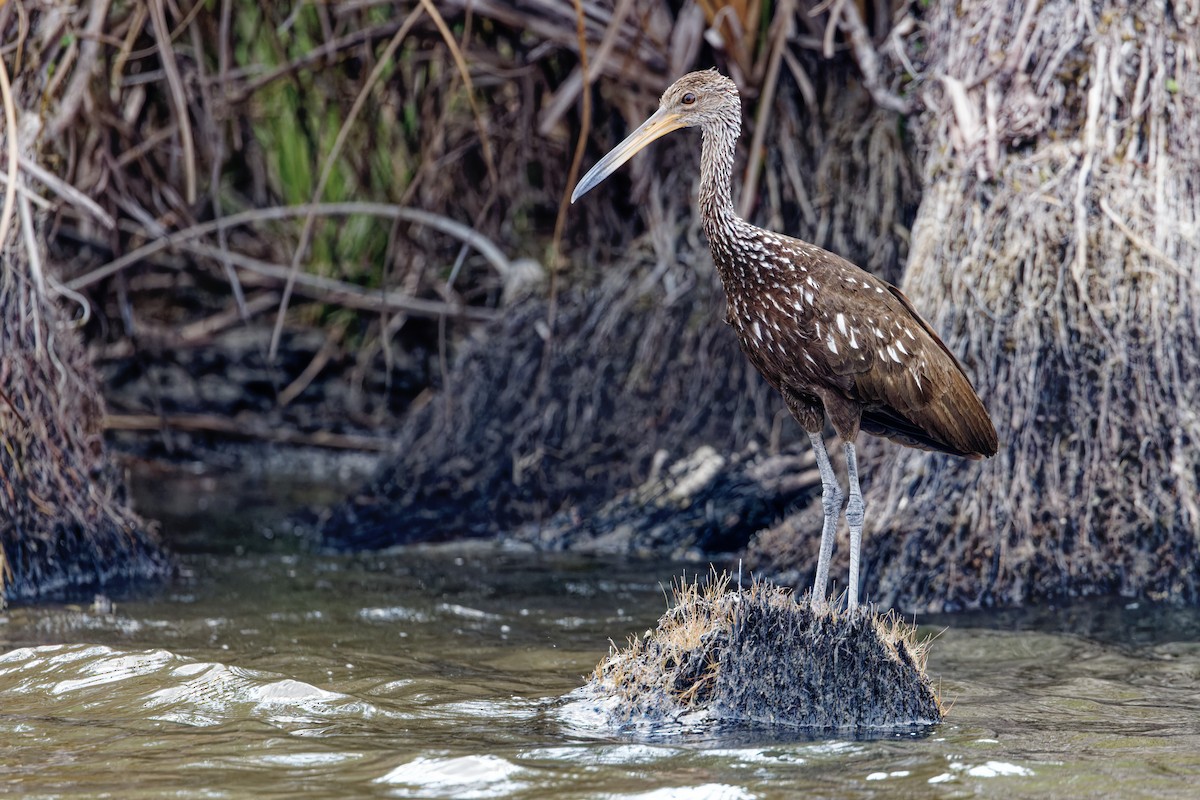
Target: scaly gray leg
pixel 855 514
pixel 831 503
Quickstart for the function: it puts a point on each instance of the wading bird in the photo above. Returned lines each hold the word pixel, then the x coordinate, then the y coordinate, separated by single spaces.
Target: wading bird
pixel 832 338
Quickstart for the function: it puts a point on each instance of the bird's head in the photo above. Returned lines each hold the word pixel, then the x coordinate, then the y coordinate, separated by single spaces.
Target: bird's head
pixel 705 99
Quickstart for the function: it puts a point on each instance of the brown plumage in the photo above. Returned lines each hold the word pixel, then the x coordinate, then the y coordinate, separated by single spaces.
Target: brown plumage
pixel 832 338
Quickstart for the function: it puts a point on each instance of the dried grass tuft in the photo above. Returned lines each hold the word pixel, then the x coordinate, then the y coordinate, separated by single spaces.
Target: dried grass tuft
pixel 672 669
pixel 757 656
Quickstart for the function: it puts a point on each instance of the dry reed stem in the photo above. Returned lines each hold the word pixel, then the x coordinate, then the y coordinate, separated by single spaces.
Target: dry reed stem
pixel 785 12
pixel 66 191
pixel 83 71
pixel 485 247
pixel 341 292
pixel 14 160
pixel 465 73
pixel 591 65
pixel 180 104
pixel 585 128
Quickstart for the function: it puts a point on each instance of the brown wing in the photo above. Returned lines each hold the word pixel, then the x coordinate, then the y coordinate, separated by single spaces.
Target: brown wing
pixel 887 360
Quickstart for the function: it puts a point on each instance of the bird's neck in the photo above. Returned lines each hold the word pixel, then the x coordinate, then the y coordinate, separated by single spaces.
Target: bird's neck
pixel 716 175
pixel 727 233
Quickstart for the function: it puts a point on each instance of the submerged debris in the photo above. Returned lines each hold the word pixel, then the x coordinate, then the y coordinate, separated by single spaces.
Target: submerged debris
pixel 758 656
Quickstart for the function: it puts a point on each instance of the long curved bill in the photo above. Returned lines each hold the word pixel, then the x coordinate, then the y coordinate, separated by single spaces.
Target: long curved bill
pixel 659 124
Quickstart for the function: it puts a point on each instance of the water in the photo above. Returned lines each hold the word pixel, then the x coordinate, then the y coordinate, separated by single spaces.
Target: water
pixel 438 672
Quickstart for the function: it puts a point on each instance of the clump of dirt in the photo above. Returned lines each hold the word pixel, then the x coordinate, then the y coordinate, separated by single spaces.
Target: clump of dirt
pixel 757 656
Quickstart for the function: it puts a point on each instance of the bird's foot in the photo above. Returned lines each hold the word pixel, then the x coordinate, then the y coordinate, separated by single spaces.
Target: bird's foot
pixel 818 603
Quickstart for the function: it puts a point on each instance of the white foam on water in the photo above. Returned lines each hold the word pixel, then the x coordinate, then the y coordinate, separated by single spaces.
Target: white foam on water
pixel 996 769
pixel 989 769
pixel 392 614
pixel 707 791
pixel 466 777
pixel 466 612
pixel 591 755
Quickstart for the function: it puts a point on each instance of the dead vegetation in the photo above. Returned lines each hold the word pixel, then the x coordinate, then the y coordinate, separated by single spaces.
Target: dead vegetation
pixel 1083 314
pixel 757 656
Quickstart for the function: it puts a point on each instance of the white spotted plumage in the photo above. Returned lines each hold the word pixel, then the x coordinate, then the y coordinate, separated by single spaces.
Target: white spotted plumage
pixel 826 334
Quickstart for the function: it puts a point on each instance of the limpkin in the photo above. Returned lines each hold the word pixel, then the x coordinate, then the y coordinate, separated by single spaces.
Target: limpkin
pixel 830 337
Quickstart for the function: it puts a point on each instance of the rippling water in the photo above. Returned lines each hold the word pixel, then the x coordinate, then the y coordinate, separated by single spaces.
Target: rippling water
pixel 438 673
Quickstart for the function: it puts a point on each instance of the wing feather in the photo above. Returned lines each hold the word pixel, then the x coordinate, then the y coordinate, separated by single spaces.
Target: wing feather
pixel 888 359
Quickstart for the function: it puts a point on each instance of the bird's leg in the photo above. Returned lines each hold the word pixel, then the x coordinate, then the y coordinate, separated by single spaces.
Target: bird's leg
pixel 855 514
pixel 831 503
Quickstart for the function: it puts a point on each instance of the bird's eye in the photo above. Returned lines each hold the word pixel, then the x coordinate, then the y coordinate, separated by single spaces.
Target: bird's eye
pixel 688 99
